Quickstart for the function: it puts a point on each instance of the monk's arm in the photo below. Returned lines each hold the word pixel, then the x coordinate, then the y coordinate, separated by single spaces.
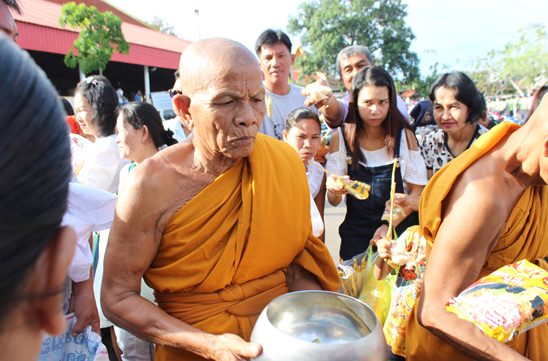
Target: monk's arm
pixel 132 247
pixel 471 224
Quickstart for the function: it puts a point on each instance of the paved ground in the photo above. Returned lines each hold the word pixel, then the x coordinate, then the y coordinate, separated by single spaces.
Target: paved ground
pixel 333 217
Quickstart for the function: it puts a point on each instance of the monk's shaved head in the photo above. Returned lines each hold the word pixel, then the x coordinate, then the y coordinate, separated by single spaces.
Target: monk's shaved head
pixel 205 61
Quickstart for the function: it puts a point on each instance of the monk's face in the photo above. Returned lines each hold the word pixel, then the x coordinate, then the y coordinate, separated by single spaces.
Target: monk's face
pixel 227 106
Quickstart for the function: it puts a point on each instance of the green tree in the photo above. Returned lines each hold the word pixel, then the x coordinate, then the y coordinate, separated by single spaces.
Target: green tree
pixel 327 26
pixel 100 34
pixel 422 84
pixel 516 67
pixel 162 26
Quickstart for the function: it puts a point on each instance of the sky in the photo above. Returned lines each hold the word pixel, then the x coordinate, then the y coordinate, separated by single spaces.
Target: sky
pixel 453 33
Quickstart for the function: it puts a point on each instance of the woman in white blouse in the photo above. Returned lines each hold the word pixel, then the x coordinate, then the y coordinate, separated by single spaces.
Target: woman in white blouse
pixel 303 132
pixel 140 134
pixel 95 103
pixel 364 149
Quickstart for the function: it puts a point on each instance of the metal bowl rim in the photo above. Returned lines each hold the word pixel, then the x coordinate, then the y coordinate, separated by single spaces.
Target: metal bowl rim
pixel 289 294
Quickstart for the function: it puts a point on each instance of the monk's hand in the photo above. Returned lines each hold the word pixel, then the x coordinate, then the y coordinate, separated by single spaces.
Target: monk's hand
pixel 230 347
pixel 335 184
pixel 318 93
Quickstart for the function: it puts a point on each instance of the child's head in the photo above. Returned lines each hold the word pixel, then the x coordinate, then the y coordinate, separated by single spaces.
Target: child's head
pixel 303 132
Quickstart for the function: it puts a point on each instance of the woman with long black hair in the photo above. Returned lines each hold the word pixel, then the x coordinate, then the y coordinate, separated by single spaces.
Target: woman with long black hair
pixel 374 134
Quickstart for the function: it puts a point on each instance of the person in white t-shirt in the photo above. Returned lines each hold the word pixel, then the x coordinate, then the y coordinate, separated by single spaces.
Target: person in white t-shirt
pixel 273 48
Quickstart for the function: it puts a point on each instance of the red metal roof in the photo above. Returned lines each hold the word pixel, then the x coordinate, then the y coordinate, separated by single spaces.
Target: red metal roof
pixel 39 30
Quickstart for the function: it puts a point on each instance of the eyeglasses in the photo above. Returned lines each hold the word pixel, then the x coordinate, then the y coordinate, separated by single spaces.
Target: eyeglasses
pixel 173 92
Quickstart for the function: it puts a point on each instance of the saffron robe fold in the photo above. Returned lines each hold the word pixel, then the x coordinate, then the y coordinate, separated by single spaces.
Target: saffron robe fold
pixel 524 236
pixel 223 256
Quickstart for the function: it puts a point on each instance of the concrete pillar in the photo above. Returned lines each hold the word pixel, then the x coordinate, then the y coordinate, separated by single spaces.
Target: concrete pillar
pixel 147 85
pixel 82 75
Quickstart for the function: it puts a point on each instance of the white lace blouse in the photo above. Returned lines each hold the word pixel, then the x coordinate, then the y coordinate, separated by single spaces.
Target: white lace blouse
pixel 412 166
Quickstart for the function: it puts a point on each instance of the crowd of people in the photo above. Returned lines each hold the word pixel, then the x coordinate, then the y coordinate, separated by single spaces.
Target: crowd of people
pixel 170 242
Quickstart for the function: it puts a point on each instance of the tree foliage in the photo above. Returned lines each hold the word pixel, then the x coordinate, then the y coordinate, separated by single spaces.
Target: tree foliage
pixel 423 83
pixel 327 26
pixel 515 68
pixel 162 26
pixel 100 34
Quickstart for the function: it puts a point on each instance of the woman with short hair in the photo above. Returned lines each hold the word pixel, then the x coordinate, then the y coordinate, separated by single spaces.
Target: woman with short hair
pixel 95 103
pixel 458 106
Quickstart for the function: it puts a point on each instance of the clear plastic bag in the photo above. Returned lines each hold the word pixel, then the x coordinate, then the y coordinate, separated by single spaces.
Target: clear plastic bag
pixel 81 347
pixel 351 273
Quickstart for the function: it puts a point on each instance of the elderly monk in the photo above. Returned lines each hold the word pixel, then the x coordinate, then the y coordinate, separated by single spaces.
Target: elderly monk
pixel 486 209
pixel 218 225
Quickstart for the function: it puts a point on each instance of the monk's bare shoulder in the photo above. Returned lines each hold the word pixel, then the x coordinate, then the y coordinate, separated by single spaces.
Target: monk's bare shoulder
pixel 165 182
pixel 485 194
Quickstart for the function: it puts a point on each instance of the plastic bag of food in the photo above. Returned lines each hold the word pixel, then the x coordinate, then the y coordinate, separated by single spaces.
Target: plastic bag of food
pixel 505 303
pixel 409 253
pixel 401 305
pixel 377 293
pixel 351 273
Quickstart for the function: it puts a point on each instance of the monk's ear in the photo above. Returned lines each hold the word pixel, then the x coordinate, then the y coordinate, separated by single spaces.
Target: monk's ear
pixel 545 153
pixel 47 282
pixel 188 122
pixel 181 103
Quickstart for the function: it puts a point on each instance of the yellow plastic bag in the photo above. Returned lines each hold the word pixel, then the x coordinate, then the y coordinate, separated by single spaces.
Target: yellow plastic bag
pixel 377 293
pixel 507 302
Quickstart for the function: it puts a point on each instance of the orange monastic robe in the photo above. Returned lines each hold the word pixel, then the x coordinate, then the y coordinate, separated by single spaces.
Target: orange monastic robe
pixel 223 256
pixel 524 236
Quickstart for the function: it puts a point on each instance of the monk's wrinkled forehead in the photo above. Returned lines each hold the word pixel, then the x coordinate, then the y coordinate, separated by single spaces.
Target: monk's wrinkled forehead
pixel 207 61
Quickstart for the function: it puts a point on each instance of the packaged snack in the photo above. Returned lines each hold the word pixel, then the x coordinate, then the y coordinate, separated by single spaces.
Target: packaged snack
pixel 507 302
pixel 359 190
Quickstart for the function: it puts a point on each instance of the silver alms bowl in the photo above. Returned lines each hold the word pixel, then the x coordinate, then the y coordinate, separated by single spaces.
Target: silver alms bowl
pixel 319 326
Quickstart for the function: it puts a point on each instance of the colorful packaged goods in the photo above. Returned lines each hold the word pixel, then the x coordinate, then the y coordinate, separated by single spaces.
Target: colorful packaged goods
pixel 507 302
